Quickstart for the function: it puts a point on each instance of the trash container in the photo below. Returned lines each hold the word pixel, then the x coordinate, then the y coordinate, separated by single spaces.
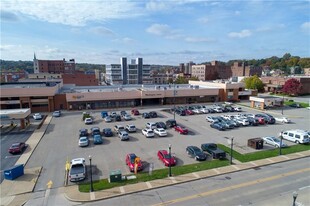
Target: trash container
pixel 256 143
pixel 115 176
pixel 14 172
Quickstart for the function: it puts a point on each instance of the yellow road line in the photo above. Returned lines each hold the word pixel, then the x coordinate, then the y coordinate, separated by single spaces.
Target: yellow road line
pixel 246 184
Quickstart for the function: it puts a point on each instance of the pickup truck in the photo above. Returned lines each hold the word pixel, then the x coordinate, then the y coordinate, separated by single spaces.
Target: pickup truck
pixel 213 150
pixel 77 170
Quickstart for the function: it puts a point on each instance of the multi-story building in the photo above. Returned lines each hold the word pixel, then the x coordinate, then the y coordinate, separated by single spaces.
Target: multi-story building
pixel 53 66
pixel 211 71
pixel 241 69
pixel 124 73
pixel 12 76
pixel 275 84
pixel 307 71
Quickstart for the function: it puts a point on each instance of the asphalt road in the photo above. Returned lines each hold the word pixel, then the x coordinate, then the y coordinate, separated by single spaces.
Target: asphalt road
pixel 269 185
pixel 60 143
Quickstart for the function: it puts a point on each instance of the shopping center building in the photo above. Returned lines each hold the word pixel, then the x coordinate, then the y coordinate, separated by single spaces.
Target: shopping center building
pixel 52 95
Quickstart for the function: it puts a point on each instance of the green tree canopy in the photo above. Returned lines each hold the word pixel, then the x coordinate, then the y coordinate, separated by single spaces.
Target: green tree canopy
pixel 253 82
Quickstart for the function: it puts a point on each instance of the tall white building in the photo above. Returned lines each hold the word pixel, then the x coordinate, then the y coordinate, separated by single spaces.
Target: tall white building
pixel 124 73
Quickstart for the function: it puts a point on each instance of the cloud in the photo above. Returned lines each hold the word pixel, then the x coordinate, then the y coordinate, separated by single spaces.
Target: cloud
pixel 100 30
pixel 124 40
pixel 198 39
pixel 7 47
pixel 163 30
pixel 305 26
pixel 157 5
pixel 76 13
pixel 270 28
pixel 203 20
pixel 237 13
pixel 244 33
pixel 9 16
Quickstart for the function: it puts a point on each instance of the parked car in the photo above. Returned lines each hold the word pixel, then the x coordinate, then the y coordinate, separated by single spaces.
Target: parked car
pixel 148 132
pixel 104 114
pixel 88 120
pixel 57 113
pixel 37 116
pixel 196 153
pixel 77 171
pixel 204 110
pixel 218 126
pixel 132 160
pixel 98 139
pixel 17 148
pixel 118 128
pixel 123 113
pixel 253 121
pixel 83 133
pixel 166 158
pixel 135 112
pixel 123 135
pixel 243 121
pixel 95 131
pixel 237 109
pixel 153 114
pixel 218 109
pixel 213 150
pixel 274 141
pixel 171 123
pixel 210 119
pixel 118 118
pixel 113 114
pixel 160 132
pixel 298 136
pixel 83 141
pixel 108 119
pixel 261 120
pixel 131 128
pixel 295 105
pixel 283 119
pixel 181 130
pixel 107 132
pixel 161 125
pixel 151 125
pixel 127 117
pixel 146 115
pixel 189 112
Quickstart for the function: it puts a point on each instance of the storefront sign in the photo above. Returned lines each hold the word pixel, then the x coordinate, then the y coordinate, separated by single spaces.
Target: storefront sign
pixel 77 96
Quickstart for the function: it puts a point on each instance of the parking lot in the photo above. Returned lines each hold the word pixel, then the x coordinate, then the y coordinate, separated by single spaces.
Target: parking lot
pixel 60 142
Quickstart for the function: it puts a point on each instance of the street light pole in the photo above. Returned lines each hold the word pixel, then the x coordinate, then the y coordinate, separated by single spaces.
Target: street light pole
pixel 282 104
pixel 295 194
pixel 231 149
pixel 170 160
pixel 91 175
pixel 174 100
pixel 280 147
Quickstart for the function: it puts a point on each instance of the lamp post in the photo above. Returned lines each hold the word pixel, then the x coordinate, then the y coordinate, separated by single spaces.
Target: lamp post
pixel 282 104
pixel 295 194
pixel 231 142
pixel 91 175
pixel 280 146
pixel 170 160
pixel 174 100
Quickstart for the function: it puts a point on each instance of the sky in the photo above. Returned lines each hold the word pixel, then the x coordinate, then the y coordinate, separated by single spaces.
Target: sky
pixel 165 32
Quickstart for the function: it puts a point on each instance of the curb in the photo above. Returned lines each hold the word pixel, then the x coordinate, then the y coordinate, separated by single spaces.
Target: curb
pixel 185 181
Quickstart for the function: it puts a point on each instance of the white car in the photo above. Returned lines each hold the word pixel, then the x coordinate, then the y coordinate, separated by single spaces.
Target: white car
pixel 197 111
pixel 242 121
pixel 148 132
pixel 274 141
pixel 83 142
pixel 88 120
pixel 210 119
pixel 204 110
pixel 131 128
pixel 151 125
pixel 283 119
pixel 160 132
pixel 127 117
pixel 238 109
pixel 218 109
pixel 37 116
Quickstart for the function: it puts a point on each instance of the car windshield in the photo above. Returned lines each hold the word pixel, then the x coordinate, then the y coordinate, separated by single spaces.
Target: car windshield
pixel 161 130
pixel 275 139
pixel 196 149
pixel 83 139
pixel 107 130
pixel 15 145
pixel 166 156
pixel 132 158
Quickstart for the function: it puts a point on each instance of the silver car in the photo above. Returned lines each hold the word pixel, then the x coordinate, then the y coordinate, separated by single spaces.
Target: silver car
pixel 274 141
pixel 83 142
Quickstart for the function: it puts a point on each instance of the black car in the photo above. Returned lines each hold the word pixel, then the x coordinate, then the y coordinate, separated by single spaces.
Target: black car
pixel 95 131
pixel 161 125
pixel 213 150
pixel 295 105
pixel 196 153
pixel 153 114
pixel 218 126
pixel 180 112
pixel 123 113
pixel 83 133
pixel 107 132
pixel 146 115
pixel 171 123
pixel 118 118
pixel 253 121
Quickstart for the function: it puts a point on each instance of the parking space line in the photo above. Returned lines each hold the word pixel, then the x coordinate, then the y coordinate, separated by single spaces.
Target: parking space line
pixel 122 190
pixel 195 174
pixel 148 184
pixel 92 196
pixel 173 179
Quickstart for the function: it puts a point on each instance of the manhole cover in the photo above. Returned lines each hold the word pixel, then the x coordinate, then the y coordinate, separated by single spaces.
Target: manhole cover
pixel 228 178
pixel 257 168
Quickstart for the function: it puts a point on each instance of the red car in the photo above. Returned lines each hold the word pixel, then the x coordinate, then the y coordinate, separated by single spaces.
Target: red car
pixel 181 130
pixel 135 112
pixel 189 112
pixel 17 148
pixel 164 156
pixel 130 161
pixel 261 120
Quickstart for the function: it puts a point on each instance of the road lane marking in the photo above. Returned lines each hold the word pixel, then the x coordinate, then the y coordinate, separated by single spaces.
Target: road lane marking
pixel 11 156
pixel 245 184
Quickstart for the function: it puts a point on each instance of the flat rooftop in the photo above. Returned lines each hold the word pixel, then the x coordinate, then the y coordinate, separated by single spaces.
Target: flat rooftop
pixel 115 88
pixel 28 85
pixel 13 111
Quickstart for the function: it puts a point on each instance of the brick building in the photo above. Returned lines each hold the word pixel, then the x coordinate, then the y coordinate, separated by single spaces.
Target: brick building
pixel 9 76
pixel 53 66
pixel 240 69
pixel 211 71
pixel 274 84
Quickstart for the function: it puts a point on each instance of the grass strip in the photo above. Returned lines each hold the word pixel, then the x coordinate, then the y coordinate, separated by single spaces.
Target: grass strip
pixel 265 154
pixel 156 174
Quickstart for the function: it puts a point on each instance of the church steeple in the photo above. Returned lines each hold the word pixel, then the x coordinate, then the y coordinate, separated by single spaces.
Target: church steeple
pixel 34 56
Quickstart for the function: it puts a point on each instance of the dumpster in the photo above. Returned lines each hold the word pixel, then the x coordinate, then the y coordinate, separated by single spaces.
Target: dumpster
pixel 14 172
pixel 256 143
pixel 115 176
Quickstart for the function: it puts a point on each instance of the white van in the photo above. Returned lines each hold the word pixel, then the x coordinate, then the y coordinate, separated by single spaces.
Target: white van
pixel 297 136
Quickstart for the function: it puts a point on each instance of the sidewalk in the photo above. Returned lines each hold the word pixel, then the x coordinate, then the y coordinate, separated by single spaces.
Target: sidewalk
pixel 72 193
pixel 9 190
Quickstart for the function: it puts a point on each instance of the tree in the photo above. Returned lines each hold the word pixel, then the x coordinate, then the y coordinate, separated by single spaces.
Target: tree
pixel 181 80
pixel 292 87
pixel 253 82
